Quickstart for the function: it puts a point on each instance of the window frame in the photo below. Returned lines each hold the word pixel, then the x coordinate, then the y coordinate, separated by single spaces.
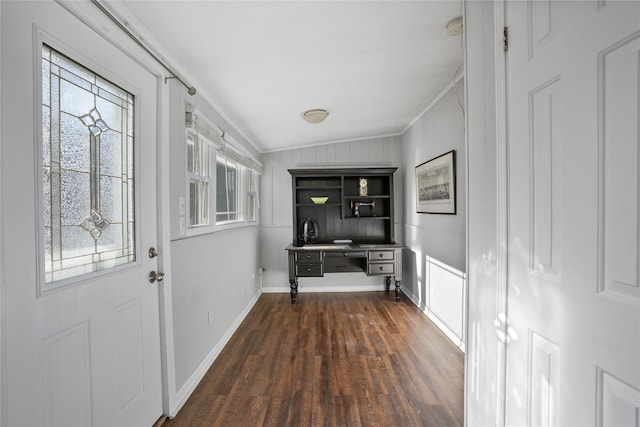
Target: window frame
pixel 221 148
pixel 206 148
pixel 252 189
pixel 45 285
pixel 240 185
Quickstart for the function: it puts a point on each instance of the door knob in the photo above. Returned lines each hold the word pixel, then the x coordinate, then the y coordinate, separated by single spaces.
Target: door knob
pixel 153 276
pixel 153 252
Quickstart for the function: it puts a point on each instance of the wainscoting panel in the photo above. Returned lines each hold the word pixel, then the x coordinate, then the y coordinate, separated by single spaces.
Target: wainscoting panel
pixel 618 402
pixel 67 367
pixel 446 289
pixel 619 160
pixel 440 294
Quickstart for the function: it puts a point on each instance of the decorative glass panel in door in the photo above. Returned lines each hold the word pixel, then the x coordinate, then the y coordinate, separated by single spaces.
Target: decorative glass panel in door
pixel 88 197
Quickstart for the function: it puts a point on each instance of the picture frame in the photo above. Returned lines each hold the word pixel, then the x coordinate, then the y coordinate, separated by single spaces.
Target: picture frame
pixel 436 185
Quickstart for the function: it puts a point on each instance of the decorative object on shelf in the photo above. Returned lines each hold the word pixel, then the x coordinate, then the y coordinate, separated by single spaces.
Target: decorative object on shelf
pixel 319 200
pixel 355 207
pixel 362 189
pixel 436 185
pixel 308 231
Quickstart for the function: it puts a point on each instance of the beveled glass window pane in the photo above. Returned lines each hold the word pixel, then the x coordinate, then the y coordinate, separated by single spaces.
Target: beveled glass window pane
pixel 88 170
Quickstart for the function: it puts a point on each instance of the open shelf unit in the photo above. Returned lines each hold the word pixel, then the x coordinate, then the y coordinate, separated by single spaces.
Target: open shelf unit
pixel 346 214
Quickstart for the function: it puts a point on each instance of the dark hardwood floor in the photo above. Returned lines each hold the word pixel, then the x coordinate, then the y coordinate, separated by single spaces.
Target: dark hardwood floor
pixel 332 359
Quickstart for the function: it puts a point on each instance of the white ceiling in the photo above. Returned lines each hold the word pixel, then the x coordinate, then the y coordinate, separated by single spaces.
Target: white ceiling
pixel 374 65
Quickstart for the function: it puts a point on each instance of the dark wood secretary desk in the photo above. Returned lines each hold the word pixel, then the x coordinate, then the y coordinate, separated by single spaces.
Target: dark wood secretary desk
pixel 353 228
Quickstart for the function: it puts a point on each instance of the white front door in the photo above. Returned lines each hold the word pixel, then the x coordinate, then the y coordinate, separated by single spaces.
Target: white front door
pixel 573 352
pixel 81 341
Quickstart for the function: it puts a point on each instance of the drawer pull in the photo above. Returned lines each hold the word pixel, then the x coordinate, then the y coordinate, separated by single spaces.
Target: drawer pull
pixel 381 268
pixel 309 269
pixel 309 256
pixel 345 254
pixel 381 255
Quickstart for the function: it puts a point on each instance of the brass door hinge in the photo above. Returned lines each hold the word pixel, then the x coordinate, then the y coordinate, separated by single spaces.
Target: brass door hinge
pixel 505 38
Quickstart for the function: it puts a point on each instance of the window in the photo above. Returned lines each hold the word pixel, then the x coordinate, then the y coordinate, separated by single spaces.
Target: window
pixel 231 189
pixel 228 182
pixel 199 151
pixel 88 170
pixel 252 195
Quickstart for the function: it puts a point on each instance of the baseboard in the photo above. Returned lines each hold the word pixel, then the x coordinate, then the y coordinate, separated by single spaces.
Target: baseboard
pixel 192 382
pixel 310 289
pixel 439 323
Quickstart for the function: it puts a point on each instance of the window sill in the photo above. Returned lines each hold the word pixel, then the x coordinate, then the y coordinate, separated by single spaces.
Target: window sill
pixel 209 229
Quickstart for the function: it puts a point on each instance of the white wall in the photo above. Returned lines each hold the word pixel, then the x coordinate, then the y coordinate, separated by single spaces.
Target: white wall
pixel 215 272
pixel 276 231
pixel 435 254
pixel 211 273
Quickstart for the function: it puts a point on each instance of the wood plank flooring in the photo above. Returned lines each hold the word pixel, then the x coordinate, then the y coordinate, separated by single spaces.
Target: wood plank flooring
pixel 332 359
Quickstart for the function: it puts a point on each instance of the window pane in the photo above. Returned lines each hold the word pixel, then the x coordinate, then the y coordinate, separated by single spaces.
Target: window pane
pixel 191 147
pixel 88 180
pixel 198 152
pixel 198 202
pixel 232 189
pixel 226 191
pixel 251 208
pixel 203 149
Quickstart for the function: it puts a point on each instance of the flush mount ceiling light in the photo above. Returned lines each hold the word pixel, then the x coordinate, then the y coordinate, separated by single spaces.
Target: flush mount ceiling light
pixel 315 116
pixel 454 27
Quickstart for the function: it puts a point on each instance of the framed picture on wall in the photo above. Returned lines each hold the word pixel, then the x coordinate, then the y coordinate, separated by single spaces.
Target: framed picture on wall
pixel 436 185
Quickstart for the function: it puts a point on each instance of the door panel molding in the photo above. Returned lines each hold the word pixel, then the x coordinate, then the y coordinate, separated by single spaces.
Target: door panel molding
pixel 618 403
pixel 545 172
pixel 64 370
pixel 543 381
pixel 618 165
pixel 541 25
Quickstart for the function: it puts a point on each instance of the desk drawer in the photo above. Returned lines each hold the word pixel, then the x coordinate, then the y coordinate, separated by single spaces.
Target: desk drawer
pixel 308 270
pixel 308 256
pixel 380 268
pixel 345 254
pixel 380 255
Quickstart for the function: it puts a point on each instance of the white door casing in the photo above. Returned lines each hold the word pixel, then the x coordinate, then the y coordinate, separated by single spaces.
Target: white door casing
pixel 573 352
pixel 89 353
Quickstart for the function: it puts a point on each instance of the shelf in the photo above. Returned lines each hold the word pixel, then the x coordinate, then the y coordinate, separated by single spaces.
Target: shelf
pixel 367 217
pixel 319 204
pixel 384 196
pixel 311 187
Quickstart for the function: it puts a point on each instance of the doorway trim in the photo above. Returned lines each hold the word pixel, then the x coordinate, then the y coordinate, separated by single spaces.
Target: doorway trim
pixel 487 218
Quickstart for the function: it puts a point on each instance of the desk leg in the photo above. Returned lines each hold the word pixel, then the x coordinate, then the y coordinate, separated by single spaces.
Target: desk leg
pixel 387 283
pixel 294 290
pixel 397 290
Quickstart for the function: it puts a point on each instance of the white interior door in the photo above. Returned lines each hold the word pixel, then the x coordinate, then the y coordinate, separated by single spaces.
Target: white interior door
pixel 573 353
pixel 80 347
